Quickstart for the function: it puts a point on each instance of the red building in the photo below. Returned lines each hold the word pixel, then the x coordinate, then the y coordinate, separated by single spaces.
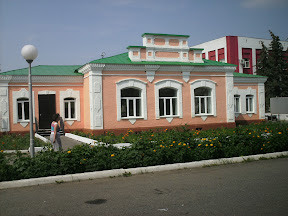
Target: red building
pixel 241 51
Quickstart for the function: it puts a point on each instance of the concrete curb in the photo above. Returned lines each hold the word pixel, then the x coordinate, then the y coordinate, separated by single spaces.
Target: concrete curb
pixel 95 142
pixel 133 171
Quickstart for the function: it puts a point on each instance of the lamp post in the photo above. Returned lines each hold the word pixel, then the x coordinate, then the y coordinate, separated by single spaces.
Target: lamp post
pixel 29 53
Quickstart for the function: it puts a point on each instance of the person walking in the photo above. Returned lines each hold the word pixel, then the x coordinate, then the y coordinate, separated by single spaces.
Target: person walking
pixel 55 134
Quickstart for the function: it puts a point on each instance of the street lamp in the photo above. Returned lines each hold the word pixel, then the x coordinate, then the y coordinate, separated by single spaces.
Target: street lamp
pixel 29 53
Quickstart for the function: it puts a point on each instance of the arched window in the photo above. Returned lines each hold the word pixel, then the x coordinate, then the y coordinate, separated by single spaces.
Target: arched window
pixel 168 102
pixel 130 102
pixel 70 108
pixel 203 105
pixel 237 104
pixel 168 99
pixel 23 109
pixel 203 98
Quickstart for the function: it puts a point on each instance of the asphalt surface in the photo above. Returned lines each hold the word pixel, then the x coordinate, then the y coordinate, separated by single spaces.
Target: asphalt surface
pixel 67 143
pixel 251 188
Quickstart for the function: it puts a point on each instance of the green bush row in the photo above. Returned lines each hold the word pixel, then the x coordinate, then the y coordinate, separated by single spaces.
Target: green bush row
pixel 151 148
pixel 17 142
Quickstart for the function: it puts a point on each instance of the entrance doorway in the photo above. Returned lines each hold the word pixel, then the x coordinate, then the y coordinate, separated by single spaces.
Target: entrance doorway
pixel 46 110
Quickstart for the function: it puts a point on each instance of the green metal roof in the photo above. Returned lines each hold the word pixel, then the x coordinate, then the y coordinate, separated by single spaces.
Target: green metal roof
pixel 159 34
pixel 47 70
pixel 124 59
pixel 247 75
pixel 136 47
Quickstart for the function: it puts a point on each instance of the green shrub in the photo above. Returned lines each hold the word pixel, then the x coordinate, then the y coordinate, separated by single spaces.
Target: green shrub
pixel 150 148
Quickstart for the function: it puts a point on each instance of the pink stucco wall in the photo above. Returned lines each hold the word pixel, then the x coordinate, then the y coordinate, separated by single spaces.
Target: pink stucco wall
pixel 245 117
pixel 174 42
pixel 110 106
pixel 159 41
pixel 86 103
pixel 43 87
pixel 167 54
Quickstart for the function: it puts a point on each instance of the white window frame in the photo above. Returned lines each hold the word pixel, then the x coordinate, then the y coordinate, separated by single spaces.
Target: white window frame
pixel 70 93
pixel 243 93
pixel 170 99
pixel 208 84
pixel 69 100
pixel 249 100
pixel 169 83
pixel 246 63
pixel 22 101
pixel 131 83
pixel 205 98
pixel 133 99
pixel 22 93
pixel 237 104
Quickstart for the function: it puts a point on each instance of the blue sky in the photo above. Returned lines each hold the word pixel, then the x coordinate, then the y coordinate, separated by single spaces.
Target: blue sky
pixel 72 32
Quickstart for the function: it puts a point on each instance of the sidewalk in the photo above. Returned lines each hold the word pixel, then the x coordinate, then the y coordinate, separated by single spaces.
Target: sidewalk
pixel 67 143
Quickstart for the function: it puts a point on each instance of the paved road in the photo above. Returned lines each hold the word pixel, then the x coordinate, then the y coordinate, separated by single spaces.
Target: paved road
pixel 254 188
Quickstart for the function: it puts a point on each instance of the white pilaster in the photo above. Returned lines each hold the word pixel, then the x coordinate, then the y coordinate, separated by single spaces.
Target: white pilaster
pixel 230 97
pixel 261 98
pixel 4 108
pixel 96 96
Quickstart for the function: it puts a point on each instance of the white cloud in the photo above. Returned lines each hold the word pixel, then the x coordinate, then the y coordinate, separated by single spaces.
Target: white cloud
pixel 263 3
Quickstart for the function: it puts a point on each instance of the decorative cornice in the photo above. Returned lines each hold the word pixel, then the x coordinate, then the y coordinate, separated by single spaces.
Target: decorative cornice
pixel 167 49
pixel 250 79
pixel 5 79
pixel 47 79
pixel 187 68
pixel 97 66
pixel 152 67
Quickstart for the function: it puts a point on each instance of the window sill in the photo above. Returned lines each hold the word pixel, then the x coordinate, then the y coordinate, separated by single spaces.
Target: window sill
pixel 70 119
pixel 200 115
pixel 23 121
pixel 128 118
pixel 174 116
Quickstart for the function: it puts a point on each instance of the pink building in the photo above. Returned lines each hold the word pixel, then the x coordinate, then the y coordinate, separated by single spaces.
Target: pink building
pixel 162 83
pixel 241 51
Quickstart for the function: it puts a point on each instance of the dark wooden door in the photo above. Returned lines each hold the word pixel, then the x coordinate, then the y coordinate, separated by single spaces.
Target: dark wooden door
pixel 46 110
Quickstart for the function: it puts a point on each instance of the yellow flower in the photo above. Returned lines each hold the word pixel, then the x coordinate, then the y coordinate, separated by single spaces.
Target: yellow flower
pixel 206 145
pixel 263 144
pixel 279 132
pixel 184 144
pixel 152 135
pixel 154 150
pixel 261 148
pixel 112 155
pixel 249 133
pixel 173 141
pixel 84 159
pixel 199 145
pixel 211 144
pixel 69 152
pixel 2 150
pixel 179 143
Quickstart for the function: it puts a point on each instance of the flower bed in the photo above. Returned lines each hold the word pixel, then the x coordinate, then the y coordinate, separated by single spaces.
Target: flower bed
pixel 151 148
pixel 18 142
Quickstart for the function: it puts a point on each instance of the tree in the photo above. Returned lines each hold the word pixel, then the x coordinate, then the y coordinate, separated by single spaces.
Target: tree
pixel 273 64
